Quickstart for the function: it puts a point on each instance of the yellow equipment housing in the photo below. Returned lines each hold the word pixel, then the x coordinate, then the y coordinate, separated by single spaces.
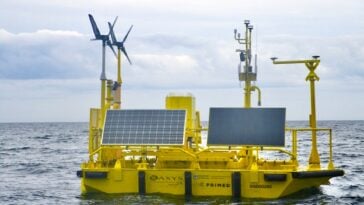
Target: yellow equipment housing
pixel 187 102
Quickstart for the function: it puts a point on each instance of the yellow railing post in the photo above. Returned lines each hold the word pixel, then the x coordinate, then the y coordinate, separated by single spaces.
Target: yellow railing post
pixel 294 147
pixel 331 164
pixel 295 143
pixel 91 136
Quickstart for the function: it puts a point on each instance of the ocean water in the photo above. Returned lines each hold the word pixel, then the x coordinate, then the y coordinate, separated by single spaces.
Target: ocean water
pixel 38 164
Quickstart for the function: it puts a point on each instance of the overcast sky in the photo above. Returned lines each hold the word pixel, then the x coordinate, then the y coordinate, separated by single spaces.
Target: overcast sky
pixel 49 68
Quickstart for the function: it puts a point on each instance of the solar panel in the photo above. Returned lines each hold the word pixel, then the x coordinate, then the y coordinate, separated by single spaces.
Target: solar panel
pixel 144 127
pixel 247 126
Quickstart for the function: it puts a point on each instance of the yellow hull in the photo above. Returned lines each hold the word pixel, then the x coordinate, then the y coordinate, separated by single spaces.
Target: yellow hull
pixel 193 170
pixel 236 183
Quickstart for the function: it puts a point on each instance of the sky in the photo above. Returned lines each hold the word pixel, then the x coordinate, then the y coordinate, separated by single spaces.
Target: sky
pixel 49 68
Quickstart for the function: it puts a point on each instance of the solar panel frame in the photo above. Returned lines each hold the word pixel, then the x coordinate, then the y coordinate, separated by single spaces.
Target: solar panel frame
pixel 247 126
pixel 160 127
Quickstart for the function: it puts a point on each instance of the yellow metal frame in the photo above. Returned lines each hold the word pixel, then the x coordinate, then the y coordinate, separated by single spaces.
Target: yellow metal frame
pixel 295 131
pixel 215 153
pixel 311 64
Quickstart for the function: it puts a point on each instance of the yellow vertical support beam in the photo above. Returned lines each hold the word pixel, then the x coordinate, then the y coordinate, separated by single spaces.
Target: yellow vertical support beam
pixel 109 97
pixel 117 100
pixel 91 135
pixel 103 88
pixel 94 134
pixel 119 67
pixel 331 164
pixel 314 161
pixel 198 128
pixel 247 103
pixel 294 147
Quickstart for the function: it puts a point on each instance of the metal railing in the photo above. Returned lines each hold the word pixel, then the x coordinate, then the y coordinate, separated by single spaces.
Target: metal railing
pixel 295 131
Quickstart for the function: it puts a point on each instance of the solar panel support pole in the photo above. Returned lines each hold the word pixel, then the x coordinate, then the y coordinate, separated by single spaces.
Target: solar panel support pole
pixel 311 64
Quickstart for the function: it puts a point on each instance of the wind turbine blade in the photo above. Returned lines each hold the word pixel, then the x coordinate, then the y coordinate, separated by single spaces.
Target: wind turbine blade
pixel 126 36
pixel 113 38
pixel 94 26
pixel 113 24
pixel 126 54
pixel 109 44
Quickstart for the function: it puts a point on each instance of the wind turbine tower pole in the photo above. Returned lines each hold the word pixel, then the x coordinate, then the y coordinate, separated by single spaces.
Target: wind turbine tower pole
pixel 117 100
pixel 121 48
pixel 103 82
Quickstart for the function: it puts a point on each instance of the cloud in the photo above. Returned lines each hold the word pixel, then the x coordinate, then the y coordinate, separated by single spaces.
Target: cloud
pixel 181 62
pixel 340 56
pixel 55 70
pixel 46 54
pixel 163 61
pixel 49 69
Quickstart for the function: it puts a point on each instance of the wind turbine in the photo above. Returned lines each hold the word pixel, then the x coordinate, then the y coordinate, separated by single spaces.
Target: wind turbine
pixel 105 41
pixel 121 48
